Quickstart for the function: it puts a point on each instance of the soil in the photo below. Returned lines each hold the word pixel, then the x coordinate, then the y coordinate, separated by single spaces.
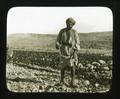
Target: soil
pixel 33 78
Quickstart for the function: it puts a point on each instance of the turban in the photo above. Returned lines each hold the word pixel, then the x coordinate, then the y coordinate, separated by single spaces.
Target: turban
pixel 70 20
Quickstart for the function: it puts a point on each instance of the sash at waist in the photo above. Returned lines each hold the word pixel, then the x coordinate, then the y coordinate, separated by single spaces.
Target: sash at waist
pixel 67 44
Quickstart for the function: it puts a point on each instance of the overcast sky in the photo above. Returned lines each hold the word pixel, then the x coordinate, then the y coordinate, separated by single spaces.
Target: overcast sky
pixel 50 20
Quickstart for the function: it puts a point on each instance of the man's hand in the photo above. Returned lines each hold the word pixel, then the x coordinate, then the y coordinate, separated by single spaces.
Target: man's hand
pixel 77 47
pixel 57 45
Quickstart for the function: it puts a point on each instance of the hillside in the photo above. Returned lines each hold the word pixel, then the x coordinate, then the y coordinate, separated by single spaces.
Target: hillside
pixel 100 40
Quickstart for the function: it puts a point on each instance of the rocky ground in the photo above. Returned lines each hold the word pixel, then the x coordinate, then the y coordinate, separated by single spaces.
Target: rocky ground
pixel 28 78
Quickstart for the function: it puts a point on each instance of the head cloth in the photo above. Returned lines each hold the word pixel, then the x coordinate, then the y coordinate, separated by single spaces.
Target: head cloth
pixel 70 20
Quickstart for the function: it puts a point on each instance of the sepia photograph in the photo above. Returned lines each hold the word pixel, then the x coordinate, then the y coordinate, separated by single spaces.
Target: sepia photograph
pixel 59 49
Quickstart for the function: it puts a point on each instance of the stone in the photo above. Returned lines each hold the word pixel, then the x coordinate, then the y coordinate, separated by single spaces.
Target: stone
pixel 102 62
pixel 87 82
pixel 106 68
pixel 97 84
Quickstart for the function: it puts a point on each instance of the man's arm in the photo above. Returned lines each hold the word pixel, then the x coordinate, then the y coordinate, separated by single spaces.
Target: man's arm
pixel 77 40
pixel 58 41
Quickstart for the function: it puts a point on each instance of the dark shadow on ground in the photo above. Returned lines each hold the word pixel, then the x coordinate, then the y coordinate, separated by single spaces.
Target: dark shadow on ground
pixel 23 80
pixel 34 68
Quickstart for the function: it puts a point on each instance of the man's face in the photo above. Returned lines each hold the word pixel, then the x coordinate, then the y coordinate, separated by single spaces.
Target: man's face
pixel 70 25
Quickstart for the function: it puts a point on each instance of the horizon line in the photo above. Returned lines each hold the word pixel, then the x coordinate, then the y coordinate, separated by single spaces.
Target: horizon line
pixel 57 33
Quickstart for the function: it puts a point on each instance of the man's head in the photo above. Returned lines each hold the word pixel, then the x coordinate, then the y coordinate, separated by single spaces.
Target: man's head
pixel 70 22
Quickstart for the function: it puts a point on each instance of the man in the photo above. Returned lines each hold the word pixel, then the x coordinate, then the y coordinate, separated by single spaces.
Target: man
pixel 68 43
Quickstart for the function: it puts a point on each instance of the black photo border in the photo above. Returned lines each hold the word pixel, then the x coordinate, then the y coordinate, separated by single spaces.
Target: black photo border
pixel 112 4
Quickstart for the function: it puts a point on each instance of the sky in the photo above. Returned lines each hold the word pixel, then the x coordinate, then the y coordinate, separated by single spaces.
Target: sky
pixel 49 20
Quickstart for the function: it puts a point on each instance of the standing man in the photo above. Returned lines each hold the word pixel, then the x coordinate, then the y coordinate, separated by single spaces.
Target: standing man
pixel 68 43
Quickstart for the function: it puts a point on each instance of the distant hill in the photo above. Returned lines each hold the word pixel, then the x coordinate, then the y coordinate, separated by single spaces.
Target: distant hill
pixel 99 40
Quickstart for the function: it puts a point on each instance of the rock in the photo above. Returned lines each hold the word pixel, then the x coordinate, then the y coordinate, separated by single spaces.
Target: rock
pixel 110 62
pixel 89 67
pixel 96 64
pixel 55 90
pixel 43 59
pixel 35 89
pixel 92 67
pixel 80 65
pixel 76 81
pixel 102 62
pixel 50 90
pixel 87 82
pixel 64 88
pixel 68 90
pixel 97 84
pixel 106 68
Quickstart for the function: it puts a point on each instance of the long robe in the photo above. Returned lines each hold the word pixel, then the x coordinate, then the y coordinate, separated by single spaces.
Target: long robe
pixel 68 43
